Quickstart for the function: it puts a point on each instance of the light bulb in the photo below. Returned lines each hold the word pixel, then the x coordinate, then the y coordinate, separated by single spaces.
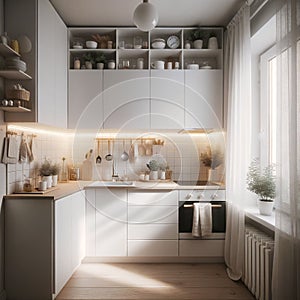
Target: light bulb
pixel 145 16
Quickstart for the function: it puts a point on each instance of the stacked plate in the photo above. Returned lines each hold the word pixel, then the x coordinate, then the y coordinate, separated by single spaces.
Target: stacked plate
pixel 14 63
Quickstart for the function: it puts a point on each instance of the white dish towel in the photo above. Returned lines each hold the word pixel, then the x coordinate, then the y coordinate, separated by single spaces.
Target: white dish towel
pixel 202 220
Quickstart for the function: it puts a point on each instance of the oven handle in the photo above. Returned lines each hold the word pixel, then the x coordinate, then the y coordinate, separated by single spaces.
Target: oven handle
pixel 213 205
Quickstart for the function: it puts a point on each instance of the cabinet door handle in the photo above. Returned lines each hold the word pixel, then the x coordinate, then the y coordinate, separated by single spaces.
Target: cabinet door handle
pixel 213 205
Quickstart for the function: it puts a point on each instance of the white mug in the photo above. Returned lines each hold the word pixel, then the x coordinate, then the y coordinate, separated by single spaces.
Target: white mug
pixel 158 64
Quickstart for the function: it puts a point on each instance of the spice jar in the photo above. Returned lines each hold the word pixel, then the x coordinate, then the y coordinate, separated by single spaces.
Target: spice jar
pixel 140 63
pixel 76 63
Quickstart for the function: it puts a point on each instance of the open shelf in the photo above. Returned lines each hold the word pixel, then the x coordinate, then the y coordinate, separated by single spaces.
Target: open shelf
pixel 15 109
pixel 14 74
pixel 6 51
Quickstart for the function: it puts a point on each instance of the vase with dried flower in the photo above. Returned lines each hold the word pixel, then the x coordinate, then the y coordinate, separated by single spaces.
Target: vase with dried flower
pixel 212 159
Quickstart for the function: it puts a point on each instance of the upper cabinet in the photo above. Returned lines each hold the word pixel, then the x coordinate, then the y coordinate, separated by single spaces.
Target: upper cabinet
pixel 169 78
pixel 46 62
pixel 204 99
pixel 126 99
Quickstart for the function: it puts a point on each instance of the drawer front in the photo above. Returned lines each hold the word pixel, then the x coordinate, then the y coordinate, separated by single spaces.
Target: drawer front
pixel 152 214
pixel 152 248
pixel 152 231
pixel 203 248
pixel 153 198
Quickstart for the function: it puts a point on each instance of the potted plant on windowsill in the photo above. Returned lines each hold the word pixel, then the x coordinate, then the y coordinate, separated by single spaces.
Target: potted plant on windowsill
pixel 262 183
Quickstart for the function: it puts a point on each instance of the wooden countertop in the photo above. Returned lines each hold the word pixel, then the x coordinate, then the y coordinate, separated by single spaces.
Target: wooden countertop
pixel 71 187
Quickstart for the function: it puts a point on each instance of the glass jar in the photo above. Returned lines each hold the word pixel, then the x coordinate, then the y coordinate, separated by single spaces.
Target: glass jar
pixel 140 63
pixel 137 42
pixel 76 63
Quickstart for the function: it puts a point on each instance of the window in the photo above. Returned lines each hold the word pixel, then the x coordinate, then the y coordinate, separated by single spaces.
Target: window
pixel 268 106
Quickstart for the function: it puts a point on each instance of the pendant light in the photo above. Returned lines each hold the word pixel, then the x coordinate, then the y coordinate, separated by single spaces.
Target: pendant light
pixel 145 16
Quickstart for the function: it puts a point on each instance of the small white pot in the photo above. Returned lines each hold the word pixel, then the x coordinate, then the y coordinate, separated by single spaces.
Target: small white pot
pixel 54 180
pixel 154 175
pixel 48 179
pixel 198 44
pixel 100 66
pixel 265 207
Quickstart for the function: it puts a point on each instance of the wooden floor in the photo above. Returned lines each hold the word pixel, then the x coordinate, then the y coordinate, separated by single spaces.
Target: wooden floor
pixel 153 281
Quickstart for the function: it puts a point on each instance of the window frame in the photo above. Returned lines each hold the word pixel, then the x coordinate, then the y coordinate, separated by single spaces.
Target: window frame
pixel 264 117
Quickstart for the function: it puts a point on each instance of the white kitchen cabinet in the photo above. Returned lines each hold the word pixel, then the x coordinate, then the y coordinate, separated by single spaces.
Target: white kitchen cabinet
pixel 85 99
pixel 203 99
pixel 167 99
pixel 110 222
pixel 126 97
pixel 46 62
pixel 202 248
pixel 69 237
pixel 52 70
pixel 153 248
pixel 152 223
pixel 44 243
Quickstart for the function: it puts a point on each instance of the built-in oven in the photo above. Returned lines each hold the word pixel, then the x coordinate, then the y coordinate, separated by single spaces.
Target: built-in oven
pixel 186 212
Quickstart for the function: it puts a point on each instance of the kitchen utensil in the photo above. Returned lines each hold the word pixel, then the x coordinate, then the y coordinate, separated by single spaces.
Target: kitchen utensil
pixel 124 155
pixel 109 156
pixel 142 149
pixel 173 42
pixel 98 158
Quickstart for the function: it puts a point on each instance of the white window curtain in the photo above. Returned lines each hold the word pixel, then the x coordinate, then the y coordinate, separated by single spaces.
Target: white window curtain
pixel 286 266
pixel 238 98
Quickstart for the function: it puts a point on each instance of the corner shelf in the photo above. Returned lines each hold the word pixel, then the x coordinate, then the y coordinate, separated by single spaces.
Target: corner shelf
pixel 14 74
pixel 15 109
pixel 7 51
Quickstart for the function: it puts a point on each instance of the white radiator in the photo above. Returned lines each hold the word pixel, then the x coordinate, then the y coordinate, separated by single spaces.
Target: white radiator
pixel 259 248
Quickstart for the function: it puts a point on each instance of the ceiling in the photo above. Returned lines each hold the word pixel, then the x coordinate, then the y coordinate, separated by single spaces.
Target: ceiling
pixel 171 12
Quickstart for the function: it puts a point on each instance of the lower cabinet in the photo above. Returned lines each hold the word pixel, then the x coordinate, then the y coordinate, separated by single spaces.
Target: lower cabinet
pixel 106 231
pixel 69 237
pixel 44 243
pixel 152 223
pixel 201 248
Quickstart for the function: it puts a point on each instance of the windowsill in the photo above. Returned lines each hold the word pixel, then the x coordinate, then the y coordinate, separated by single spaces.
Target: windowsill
pixel 266 221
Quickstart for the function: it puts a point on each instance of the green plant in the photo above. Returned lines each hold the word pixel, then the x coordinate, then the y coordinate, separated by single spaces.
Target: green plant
pixel 212 159
pixel 261 183
pixel 196 34
pixel 55 168
pixel 100 58
pixel 153 165
pixel 45 169
pixel 89 56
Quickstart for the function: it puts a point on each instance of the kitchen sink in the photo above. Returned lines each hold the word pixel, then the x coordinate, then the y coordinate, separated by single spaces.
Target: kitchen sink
pixel 112 183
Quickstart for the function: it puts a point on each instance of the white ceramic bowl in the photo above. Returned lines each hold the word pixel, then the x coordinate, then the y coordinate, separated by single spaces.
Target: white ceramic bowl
pixel 193 66
pixel 91 44
pixel 158 44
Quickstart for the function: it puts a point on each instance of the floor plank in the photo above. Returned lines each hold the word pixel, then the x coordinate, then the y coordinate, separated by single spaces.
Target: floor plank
pixel 152 281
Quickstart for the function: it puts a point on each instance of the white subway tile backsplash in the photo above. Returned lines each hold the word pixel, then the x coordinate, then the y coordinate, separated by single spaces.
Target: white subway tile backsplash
pixel 181 152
